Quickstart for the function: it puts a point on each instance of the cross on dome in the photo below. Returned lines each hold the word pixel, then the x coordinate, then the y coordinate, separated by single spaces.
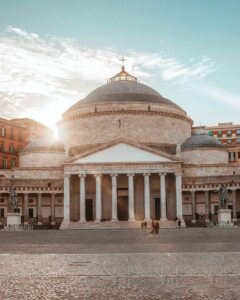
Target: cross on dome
pixel 122 59
pixel 123 75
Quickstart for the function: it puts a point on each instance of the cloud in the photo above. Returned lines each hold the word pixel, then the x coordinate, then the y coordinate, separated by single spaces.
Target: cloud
pixel 39 75
pixel 218 94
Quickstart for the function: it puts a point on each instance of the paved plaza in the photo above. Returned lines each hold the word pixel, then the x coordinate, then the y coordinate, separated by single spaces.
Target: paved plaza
pixel 188 263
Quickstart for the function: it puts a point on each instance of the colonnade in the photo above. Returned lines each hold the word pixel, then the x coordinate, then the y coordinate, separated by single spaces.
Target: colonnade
pixel 208 204
pixel 39 208
pixel 131 212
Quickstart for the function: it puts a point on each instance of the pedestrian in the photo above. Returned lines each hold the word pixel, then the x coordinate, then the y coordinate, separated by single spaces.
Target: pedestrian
pixel 142 224
pixel 179 223
pixel 145 224
pixel 153 227
pixel 156 227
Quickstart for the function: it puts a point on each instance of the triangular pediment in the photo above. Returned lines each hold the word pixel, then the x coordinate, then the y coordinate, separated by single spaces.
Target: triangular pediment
pixel 123 152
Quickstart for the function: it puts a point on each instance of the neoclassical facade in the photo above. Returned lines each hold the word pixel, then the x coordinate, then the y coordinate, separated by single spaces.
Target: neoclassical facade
pixel 126 154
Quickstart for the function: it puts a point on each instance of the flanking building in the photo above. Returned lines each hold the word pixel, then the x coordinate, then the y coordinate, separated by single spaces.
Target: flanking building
pixel 126 154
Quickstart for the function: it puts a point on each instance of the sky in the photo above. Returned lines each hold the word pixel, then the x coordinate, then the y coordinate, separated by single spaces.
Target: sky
pixel 53 53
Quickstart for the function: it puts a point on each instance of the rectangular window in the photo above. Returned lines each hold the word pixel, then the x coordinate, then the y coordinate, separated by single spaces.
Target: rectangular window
pixel 3 131
pixel 229 133
pixel 4 163
pixel 239 155
pixel 238 132
pixel 1 212
pixel 229 141
pixel 238 140
pixel 219 133
pixel 210 133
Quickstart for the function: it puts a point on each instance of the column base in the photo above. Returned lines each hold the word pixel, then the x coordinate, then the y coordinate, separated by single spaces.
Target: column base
pixel 25 223
pixel 194 221
pixel 82 221
pixel 114 220
pixel 207 220
pixel 53 223
pixel 131 220
pixel 97 221
pixel 39 223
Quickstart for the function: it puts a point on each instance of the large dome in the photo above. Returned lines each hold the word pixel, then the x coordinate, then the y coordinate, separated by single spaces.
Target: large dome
pixel 124 91
pixel 124 108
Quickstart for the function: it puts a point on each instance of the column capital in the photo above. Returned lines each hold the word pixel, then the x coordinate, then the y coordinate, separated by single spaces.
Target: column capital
pixel 82 175
pixel 66 175
pixel 113 175
pixel 98 175
pixel 146 174
pixel 162 174
pixel 178 173
pixel 130 174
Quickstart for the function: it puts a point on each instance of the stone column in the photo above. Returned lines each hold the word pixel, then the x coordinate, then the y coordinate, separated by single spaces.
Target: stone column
pixel 234 201
pixel 130 197
pixel 147 197
pixel 66 196
pixel 114 197
pixel 193 206
pixel 39 209
pixel 82 199
pixel 179 195
pixel 53 209
pixel 25 208
pixel 163 196
pixel 206 206
pixel 98 198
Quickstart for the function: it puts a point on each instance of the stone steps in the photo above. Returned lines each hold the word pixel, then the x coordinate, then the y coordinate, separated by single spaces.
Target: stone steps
pixel 167 224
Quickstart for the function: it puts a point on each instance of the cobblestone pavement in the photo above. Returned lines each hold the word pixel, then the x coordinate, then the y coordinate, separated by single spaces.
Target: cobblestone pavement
pixel 115 268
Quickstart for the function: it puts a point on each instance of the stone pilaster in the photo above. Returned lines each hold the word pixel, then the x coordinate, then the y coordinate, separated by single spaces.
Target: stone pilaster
pixel 82 215
pixel 193 194
pixel 147 196
pixel 131 197
pixel 98 198
pixel 39 209
pixel 26 208
pixel 163 196
pixel 66 197
pixel 114 197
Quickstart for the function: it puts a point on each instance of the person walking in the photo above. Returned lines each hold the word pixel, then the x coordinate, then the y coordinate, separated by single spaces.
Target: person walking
pixel 156 227
pixel 179 223
pixel 153 227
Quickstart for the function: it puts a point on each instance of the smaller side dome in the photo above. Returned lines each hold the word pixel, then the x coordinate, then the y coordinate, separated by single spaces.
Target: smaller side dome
pixel 44 144
pixel 203 149
pixel 201 140
pixel 43 152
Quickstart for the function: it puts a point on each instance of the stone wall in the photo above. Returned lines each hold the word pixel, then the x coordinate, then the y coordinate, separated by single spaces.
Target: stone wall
pixel 42 159
pixel 205 156
pixel 145 128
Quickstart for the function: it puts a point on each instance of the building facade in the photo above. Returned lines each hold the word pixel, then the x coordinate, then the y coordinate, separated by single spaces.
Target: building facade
pixel 127 154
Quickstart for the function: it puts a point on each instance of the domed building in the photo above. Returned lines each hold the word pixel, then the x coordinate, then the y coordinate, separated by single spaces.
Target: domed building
pixel 128 154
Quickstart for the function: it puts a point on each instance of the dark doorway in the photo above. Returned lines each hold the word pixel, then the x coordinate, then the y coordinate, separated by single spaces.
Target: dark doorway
pixel 157 209
pixel 122 208
pixel 89 209
pixel 30 213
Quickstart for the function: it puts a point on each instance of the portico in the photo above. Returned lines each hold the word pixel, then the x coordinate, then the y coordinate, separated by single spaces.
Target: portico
pixel 122 190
